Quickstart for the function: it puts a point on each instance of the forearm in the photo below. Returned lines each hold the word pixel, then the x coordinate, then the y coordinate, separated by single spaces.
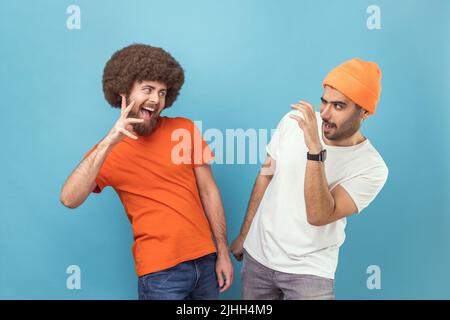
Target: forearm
pixel 259 188
pixel 216 216
pixel 81 182
pixel 318 199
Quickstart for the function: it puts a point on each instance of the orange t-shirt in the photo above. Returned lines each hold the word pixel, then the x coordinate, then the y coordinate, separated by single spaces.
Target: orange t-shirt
pixel 154 178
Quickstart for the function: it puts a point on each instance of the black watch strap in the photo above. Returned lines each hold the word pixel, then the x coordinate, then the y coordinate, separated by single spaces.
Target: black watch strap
pixel 317 157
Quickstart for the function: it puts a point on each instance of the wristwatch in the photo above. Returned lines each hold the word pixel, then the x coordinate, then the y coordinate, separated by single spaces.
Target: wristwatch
pixel 317 157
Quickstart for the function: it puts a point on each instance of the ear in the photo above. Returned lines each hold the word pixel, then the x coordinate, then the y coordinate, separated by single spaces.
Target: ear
pixel 366 114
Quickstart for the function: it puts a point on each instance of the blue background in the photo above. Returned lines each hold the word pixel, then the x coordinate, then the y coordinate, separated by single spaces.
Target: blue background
pixel 245 62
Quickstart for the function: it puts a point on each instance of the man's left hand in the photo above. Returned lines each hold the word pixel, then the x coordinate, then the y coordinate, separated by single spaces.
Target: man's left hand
pixel 309 125
pixel 224 271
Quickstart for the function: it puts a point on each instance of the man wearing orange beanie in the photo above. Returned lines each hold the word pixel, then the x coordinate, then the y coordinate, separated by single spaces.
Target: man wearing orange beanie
pixel 320 169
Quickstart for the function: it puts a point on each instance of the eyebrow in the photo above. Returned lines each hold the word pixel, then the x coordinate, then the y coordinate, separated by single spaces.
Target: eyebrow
pixel 341 103
pixel 152 87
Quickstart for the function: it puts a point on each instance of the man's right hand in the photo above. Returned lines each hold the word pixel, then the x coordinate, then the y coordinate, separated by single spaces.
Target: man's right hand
pixel 237 247
pixel 124 126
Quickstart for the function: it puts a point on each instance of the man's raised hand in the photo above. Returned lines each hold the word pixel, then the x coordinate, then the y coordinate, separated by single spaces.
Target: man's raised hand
pixel 124 125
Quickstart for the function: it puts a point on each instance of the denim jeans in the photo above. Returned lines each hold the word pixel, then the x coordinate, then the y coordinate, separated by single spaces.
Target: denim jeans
pixel 189 280
pixel 262 283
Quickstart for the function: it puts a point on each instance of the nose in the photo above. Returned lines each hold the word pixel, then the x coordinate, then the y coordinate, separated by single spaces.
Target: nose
pixel 325 111
pixel 153 97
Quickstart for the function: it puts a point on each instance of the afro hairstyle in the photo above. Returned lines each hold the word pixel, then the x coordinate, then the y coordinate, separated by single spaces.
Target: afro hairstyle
pixel 140 62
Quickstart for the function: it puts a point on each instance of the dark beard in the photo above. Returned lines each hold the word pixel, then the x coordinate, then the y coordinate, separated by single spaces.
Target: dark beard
pixel 145 128
pixel 347 129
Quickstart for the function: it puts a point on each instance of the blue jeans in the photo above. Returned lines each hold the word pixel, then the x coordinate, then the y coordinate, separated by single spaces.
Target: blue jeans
pixel 189 280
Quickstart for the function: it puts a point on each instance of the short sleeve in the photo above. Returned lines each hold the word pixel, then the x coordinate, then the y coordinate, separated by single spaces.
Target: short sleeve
pixel 272 147
pixel 274 144
pixel 200 152
pixel 365 187
pixel 101 179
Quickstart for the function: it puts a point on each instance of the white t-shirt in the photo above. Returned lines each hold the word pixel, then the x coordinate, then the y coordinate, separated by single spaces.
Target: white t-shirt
pixel 280 236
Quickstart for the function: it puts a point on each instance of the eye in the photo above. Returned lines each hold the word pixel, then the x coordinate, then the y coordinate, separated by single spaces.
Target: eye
pixel 147 90
pixel 162 94
pixel 337 106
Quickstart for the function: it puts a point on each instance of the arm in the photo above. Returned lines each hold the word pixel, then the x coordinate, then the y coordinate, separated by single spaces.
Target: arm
pixel 322 206
pixel 82 180
pixel 259 188
pixel 212 204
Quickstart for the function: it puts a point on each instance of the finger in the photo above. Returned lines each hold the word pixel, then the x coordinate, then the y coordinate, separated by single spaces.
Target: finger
pixel 133 133
pixel 307 110
pixel 129 128
pixel 128 108
pixel 220 278
pixel 224 285
pixel 229 281
pixel 134 120
pixel 307 114
pixel 299 107
pixel 124 103
pixel 306 103
pixel 300 121
pixel 295 117
pixel 225 288
pixel 128 134
pixel 309 106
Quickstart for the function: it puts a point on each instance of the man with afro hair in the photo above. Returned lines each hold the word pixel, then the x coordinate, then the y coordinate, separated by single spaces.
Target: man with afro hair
pixel 159 168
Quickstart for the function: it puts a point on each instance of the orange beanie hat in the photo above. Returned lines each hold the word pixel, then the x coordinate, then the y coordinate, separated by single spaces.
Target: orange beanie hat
pixel 359 80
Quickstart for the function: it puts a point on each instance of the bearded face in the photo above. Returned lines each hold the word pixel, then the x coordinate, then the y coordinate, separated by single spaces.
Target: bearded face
pixel 343 130
pixel 149 97
pixel 341 117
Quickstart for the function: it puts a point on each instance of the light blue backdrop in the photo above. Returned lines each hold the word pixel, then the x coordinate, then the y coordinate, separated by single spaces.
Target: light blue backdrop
pixel 245 62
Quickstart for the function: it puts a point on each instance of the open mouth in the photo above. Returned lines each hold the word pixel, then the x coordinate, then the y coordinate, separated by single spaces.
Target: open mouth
pixel 146 113
pixel 327 127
